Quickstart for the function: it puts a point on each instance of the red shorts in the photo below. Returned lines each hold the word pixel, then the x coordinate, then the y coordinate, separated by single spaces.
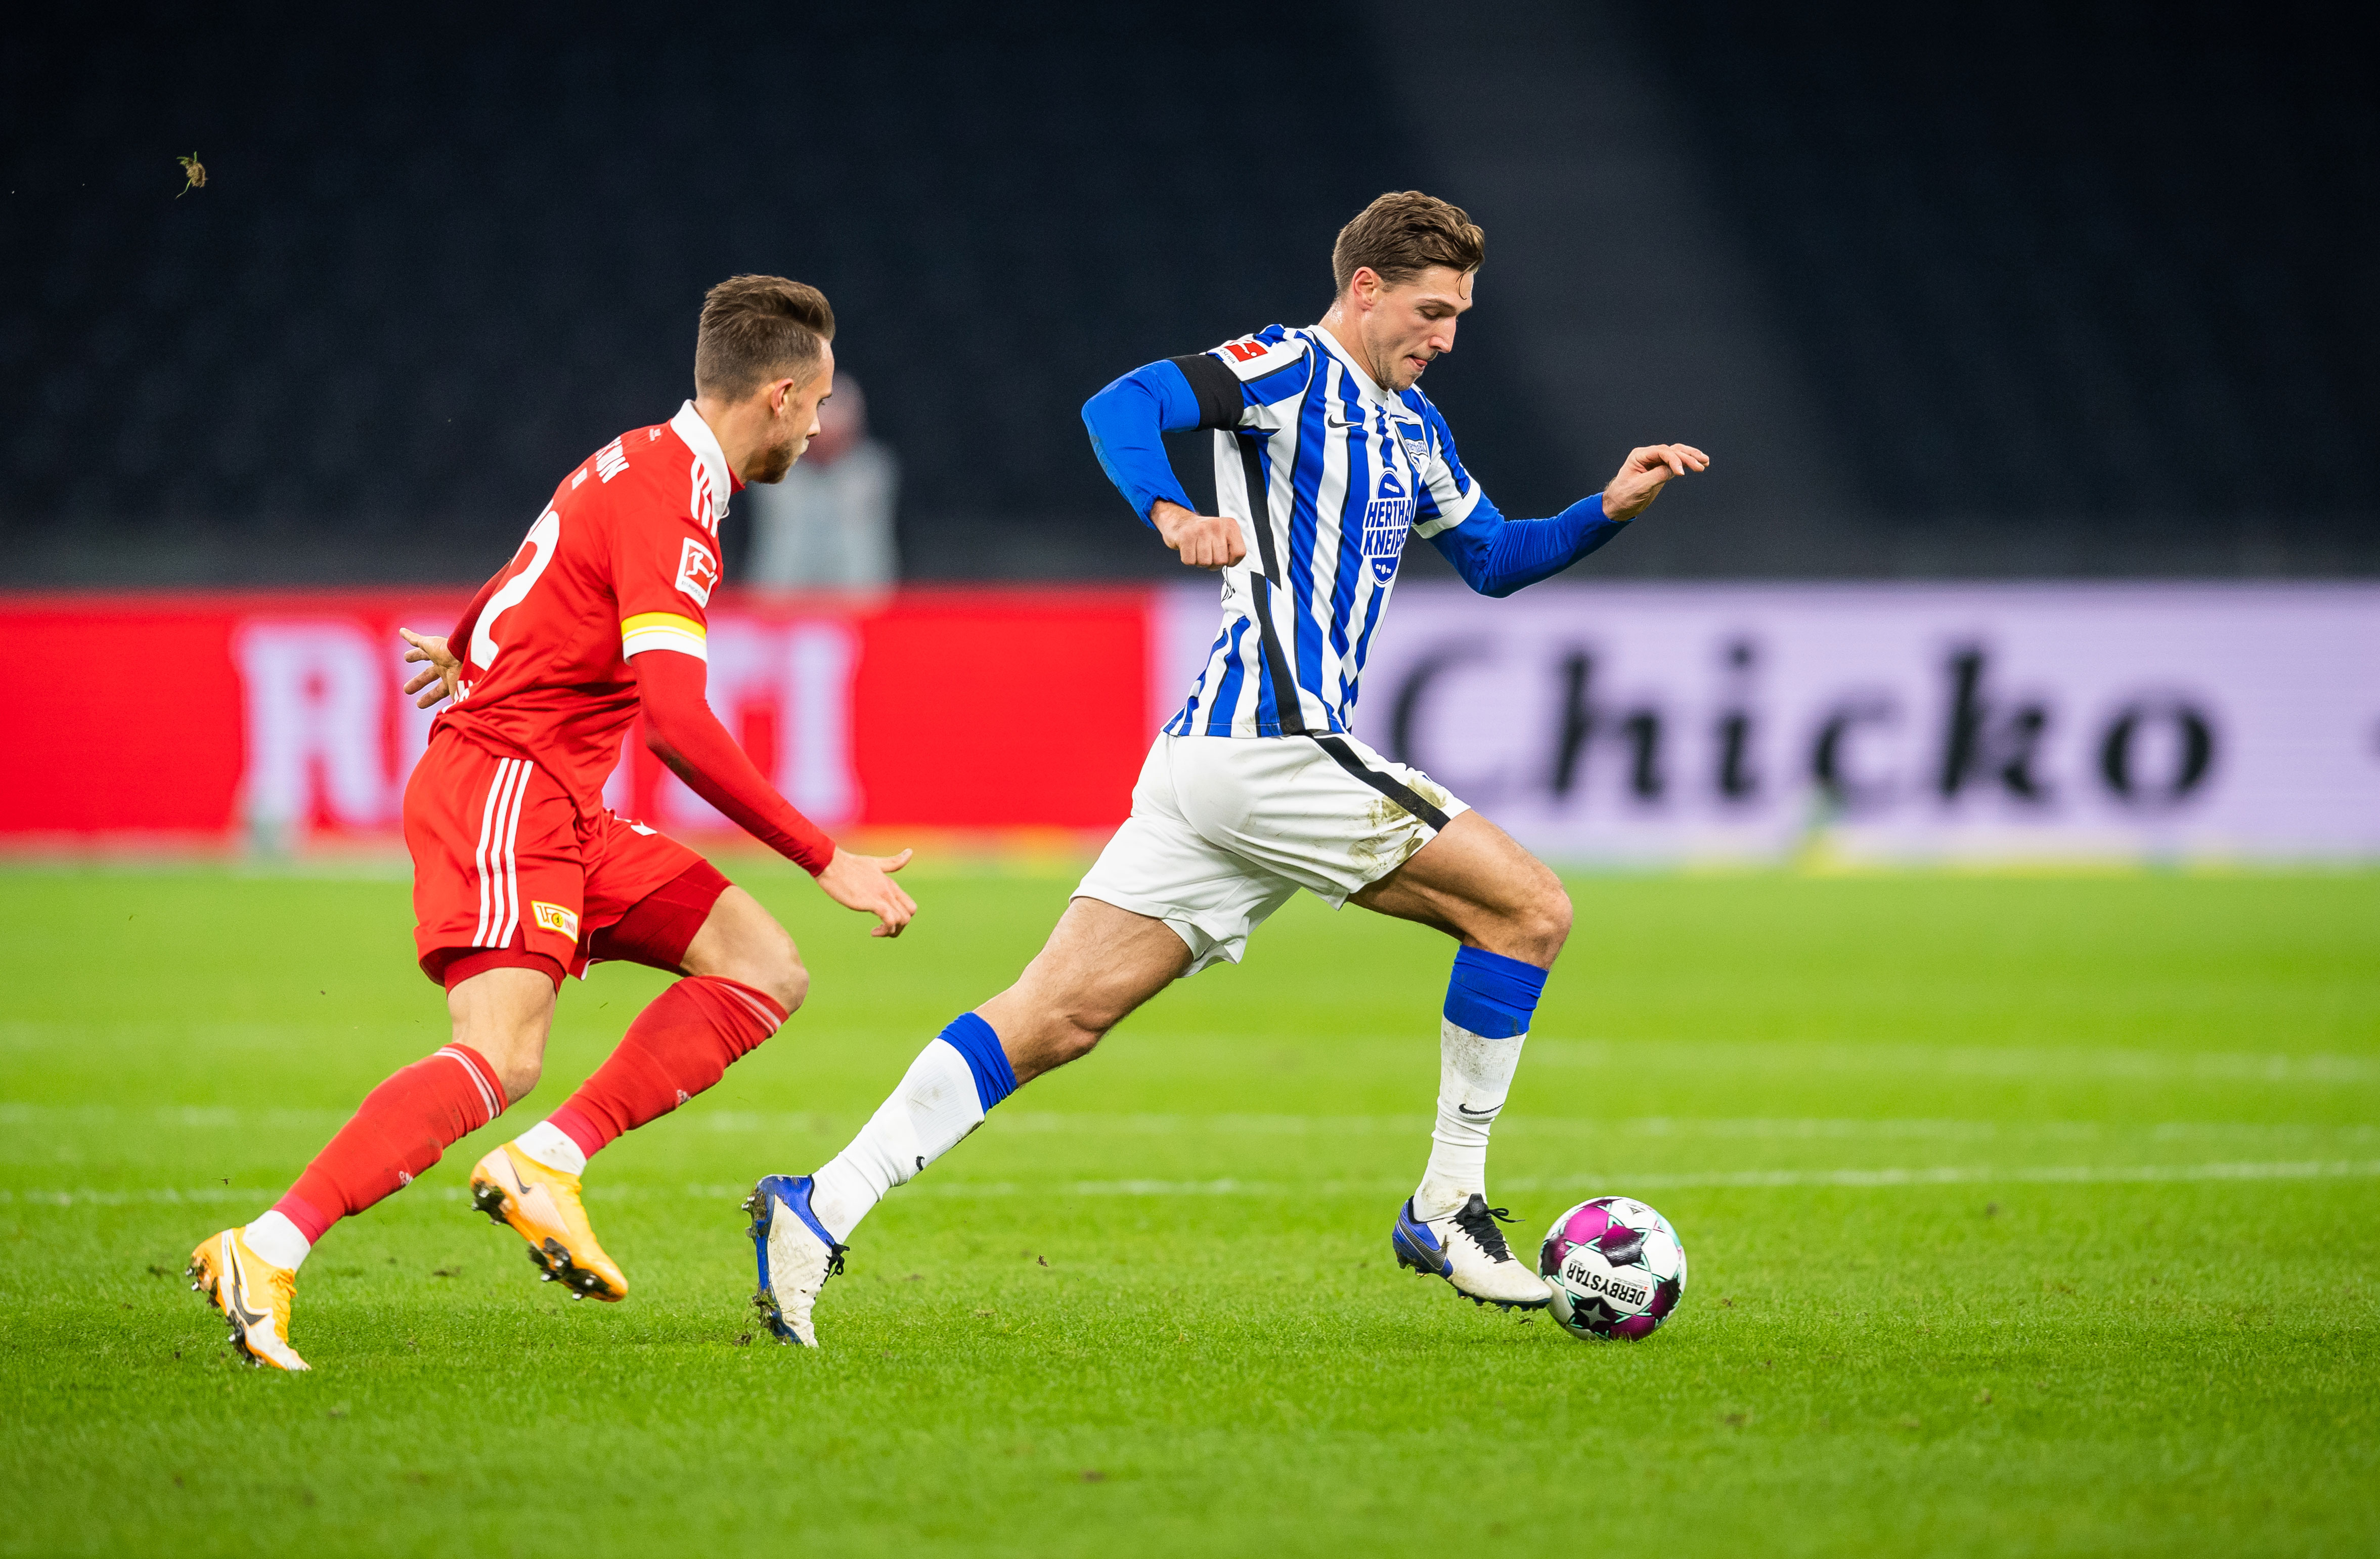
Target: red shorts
pixel 502 861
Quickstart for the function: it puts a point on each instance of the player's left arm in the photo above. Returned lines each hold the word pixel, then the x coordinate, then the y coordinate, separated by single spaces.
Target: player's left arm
pixel 662 575
pixel 684 734
pixel 1497 555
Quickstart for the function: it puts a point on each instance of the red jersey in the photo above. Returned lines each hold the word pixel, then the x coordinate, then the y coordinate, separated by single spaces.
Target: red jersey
pixel 624 558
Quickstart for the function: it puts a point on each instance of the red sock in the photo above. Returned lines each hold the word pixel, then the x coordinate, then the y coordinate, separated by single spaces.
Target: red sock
pixel 401 1128
pixel 677 1047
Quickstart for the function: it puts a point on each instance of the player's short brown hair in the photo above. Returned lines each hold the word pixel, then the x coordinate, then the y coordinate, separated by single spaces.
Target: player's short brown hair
pixel 1404 233
pixel 757 329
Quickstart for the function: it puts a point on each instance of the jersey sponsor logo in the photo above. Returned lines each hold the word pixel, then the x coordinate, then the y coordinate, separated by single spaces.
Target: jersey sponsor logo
pixel 611 460
pixel 554 917
pixel 1386 519
pixel 1246 351
pixel 697 571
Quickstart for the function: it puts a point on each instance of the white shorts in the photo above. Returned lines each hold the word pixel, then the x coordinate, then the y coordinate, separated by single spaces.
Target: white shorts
pixel 1223 829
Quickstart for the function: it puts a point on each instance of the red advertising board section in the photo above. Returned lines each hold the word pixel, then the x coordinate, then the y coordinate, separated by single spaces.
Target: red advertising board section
pixel 213 715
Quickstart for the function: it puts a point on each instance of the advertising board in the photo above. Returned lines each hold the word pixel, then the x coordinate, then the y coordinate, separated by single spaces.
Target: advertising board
pixel 275 717
pixel 1595 723
pixel 1908 723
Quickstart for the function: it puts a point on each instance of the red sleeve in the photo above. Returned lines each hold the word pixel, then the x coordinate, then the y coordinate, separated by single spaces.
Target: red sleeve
pixel 459 642
pixel 664 566
pixel 689 738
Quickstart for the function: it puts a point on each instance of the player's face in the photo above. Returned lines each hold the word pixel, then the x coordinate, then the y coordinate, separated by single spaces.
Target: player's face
pixel 1410 323
pixel 794 423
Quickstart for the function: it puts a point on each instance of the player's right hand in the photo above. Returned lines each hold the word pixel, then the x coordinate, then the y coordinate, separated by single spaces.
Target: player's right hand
pixel 445 670
pixel 1205 541
pixel 865 884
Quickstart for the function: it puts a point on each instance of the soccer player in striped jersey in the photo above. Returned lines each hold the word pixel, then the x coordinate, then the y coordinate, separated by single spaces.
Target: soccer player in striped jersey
pixel 1327 456
pixel 521 873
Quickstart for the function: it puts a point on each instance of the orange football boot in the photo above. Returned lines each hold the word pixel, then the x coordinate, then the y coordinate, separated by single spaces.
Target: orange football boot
pixel 253 1295
pixel 542 1206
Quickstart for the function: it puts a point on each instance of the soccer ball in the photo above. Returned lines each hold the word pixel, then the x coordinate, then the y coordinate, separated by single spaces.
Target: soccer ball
pixel 1616 1268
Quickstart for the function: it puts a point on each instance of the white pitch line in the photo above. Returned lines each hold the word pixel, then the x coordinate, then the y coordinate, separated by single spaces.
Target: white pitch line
pixel 2076 1135
pixel 1718 1057
pixel 1751 1179
pixel 1615 1183
pixel 2012 1063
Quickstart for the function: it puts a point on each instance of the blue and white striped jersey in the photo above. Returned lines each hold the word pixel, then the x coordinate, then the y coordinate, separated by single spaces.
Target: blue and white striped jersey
pixel 1327 473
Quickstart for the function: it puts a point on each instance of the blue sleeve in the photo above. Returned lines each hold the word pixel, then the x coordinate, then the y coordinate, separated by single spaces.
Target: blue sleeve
pixel 1126 421
pixel 1497 556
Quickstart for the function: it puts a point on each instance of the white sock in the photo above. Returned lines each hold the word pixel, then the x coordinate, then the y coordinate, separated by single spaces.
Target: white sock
pixel 551 1146
pixel 1473 1075
pixel 934 1107
pixel 276 1239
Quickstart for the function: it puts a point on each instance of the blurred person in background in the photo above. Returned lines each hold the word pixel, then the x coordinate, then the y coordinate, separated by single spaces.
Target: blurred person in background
pixel 829 524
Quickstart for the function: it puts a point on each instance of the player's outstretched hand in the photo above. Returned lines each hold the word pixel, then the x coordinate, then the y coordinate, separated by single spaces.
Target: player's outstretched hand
pixel 1205 541
pixel 1644 472
pixel 865 884
pixel 441 676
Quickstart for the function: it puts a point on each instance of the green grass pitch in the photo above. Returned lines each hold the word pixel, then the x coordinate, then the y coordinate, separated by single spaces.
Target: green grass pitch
pixel 2026 1216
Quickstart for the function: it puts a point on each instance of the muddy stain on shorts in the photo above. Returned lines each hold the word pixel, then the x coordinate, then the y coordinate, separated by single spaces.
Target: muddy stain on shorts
pixel 1432 792
pixel 1391 836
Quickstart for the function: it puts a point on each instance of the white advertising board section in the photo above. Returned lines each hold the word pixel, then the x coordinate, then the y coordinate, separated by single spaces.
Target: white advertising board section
pixel 1892 723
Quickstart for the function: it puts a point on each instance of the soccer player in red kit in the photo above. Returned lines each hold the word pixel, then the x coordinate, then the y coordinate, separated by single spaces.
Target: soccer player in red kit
pixel 521 873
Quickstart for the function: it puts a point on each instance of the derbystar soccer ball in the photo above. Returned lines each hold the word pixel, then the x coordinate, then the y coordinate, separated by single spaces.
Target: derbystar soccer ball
pixel 1616 1268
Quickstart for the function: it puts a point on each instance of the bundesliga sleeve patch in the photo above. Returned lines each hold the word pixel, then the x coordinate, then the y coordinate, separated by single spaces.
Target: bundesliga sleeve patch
pixel 697 571
pixel 1251 359
pixel 663 630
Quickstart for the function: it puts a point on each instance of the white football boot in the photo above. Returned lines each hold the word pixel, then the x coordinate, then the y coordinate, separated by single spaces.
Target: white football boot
pixel 796 1256
pixel 1467 1249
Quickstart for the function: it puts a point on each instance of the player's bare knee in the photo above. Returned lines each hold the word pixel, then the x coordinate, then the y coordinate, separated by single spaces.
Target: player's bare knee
pixel 1539 924
pixel 744 943
pixel 1089 1017
pixel 1550 916
pixel 786 981
pixel 518 1076
pixel 517 1059
pixel 1075 1040
pixel 776 973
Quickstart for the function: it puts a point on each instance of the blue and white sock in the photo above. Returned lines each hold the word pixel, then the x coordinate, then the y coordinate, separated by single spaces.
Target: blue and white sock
pixel 941 1097
pixel 1489 1001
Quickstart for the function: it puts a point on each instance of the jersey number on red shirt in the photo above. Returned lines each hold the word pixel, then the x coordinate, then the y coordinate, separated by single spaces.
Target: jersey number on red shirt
pixel 545 535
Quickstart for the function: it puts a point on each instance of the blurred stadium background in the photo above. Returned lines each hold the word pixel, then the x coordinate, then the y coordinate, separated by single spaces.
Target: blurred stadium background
pixel 2033 293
